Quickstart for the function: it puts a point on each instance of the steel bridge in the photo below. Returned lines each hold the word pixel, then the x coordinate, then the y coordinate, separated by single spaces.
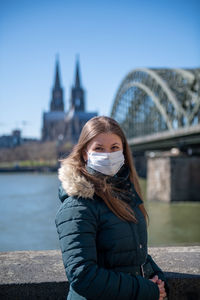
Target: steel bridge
pixel 157 106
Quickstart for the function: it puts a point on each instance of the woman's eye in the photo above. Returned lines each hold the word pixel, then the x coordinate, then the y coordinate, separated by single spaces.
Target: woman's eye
pixel 98 149
pixel 115 147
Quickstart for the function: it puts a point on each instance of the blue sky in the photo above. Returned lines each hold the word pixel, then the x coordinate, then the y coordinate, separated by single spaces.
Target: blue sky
pixel 111 38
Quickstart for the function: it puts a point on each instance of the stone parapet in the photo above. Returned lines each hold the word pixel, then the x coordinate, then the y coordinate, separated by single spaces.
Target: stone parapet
pixel 27 275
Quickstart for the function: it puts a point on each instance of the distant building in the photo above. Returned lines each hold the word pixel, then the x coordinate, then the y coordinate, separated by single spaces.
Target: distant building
pixel 66 126
pixel 10 141
pixel 14 140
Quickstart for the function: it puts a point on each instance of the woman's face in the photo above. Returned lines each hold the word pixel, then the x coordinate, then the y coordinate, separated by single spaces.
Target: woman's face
pixel 104 142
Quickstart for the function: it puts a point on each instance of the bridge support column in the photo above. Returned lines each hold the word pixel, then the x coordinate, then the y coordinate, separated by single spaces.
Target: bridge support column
pixel 173 178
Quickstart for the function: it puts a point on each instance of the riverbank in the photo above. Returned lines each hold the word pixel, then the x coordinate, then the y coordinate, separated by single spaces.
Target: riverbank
pixel 42 169
pixel 29 166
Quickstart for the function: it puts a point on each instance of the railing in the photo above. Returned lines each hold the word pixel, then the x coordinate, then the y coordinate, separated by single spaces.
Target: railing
pixel 40 274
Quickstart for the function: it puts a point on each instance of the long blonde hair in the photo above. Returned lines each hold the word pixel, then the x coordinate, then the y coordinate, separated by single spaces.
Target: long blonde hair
pixel 103 189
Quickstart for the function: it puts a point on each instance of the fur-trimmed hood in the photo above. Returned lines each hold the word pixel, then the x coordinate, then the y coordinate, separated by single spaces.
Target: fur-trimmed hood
pixel 73 183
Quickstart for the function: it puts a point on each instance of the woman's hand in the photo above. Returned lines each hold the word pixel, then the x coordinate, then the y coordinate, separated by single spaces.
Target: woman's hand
pixel 161 286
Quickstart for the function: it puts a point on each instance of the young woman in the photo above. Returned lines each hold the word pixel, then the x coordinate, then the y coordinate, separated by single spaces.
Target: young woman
pixel 102 222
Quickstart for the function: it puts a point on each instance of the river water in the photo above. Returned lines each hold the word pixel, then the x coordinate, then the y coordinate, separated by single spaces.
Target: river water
pixel 29 202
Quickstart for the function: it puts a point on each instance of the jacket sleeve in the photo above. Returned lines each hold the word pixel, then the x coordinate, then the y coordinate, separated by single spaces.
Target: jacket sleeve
pixel 77 227
pixel 157 270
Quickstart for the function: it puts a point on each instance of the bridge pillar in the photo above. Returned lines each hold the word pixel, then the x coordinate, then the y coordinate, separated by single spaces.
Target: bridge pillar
pixel 173 178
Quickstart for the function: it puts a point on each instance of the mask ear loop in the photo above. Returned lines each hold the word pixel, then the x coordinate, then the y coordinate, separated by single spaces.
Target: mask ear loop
pixel 87 155
pixel 85 160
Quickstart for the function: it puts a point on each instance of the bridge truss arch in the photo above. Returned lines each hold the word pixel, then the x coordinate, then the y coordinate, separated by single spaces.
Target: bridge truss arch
pixel 153 100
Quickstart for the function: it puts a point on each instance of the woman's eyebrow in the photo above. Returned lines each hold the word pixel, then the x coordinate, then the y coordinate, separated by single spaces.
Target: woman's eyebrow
pixel 98 144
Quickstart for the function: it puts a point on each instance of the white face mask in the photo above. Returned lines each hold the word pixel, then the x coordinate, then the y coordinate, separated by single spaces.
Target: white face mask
pixel 106 163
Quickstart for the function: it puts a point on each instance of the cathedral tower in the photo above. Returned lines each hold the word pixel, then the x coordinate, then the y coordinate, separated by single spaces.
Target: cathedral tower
pixel 77 92
pixel 54 120
pixel 57 103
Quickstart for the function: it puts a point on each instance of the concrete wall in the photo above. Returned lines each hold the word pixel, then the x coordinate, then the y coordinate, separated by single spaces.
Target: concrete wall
pixel 173 178
pixel 30 275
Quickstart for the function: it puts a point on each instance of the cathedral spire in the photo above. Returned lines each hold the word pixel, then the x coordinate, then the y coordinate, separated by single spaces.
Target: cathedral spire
pixel 57 75
pixel 77 80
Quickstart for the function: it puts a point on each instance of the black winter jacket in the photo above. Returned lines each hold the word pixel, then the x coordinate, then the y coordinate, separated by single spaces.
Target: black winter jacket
pixel 104 257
